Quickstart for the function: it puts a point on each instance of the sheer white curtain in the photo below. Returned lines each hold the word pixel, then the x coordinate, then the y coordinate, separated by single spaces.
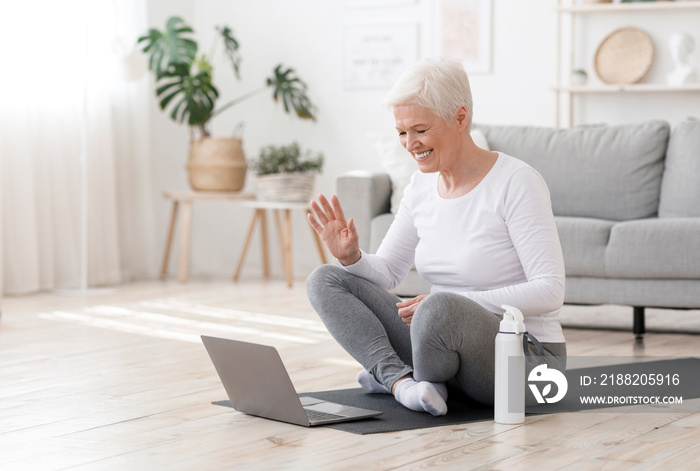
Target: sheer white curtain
pixel 54 53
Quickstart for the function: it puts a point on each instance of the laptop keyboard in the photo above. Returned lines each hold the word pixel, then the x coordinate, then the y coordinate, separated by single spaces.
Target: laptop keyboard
pixel 315 416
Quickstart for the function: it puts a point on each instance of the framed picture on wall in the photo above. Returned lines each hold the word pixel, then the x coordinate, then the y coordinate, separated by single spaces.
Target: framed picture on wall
pixel 374 55
pixel 462 30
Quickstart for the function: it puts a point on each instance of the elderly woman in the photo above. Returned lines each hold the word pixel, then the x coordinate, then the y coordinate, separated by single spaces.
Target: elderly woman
pixel 478 225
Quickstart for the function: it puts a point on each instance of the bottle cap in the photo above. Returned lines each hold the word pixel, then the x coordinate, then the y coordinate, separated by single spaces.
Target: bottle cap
pixel 513 320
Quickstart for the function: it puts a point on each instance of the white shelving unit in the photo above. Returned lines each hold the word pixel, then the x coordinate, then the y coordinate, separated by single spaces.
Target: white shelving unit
pixel 564 91
pixel 628 7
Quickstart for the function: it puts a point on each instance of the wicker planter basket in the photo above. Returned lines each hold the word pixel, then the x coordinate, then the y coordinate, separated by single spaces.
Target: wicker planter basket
pixel 286 187
pixel 217 164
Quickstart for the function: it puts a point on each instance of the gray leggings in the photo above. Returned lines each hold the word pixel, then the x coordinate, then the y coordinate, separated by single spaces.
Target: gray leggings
pixel 451 338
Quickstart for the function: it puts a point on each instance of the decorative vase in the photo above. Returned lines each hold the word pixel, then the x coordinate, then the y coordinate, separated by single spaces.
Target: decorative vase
pixel 579 78
pixel 285 187
pixel 217 164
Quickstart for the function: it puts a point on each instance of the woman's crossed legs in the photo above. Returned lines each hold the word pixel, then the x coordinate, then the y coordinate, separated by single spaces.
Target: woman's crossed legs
pixel 451 338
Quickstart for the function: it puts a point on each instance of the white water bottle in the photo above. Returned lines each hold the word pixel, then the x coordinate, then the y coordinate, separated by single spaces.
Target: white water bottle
pixel 509 392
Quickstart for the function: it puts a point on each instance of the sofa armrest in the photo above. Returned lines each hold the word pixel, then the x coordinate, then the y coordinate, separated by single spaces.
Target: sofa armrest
pixel 364 195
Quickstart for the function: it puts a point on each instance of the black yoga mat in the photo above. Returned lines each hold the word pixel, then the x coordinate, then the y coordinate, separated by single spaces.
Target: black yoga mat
pixel 461 409
pixel 396 417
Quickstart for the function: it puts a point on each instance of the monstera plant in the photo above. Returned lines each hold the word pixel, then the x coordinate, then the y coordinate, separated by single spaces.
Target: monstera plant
pixel 185 89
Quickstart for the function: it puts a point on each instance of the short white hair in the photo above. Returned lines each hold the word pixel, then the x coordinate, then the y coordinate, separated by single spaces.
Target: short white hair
pixel 441 85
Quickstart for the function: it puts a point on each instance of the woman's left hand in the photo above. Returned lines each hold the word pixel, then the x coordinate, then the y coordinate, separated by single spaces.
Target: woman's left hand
pixel 408 307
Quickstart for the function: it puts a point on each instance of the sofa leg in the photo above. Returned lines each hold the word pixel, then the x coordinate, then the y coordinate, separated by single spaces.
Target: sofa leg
pixel 638 323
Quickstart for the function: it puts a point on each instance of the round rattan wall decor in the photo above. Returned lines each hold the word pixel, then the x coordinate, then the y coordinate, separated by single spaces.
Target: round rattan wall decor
pixel 625 56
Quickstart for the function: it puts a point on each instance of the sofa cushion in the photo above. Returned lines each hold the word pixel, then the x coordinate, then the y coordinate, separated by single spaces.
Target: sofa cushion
pixel 583 241
pixel 680 187
pixel 379 227
pixel 413 284
pixel 363 196
pixel 604 172
pixel 637 292
pixel 654 248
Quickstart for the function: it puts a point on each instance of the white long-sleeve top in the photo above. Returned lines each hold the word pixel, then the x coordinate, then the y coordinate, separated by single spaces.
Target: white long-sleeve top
pixel 497 244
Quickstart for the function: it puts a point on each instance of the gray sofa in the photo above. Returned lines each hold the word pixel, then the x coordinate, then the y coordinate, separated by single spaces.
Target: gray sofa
pixel 626 201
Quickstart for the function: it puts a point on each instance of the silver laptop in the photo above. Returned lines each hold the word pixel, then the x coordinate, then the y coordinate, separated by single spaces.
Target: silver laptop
pixel 257 383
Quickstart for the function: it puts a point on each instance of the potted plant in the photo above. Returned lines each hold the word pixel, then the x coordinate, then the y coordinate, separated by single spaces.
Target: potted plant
pixel 283 173
pixel 184 87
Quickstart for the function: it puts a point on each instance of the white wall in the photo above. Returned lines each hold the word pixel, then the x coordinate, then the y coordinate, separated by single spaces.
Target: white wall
pixel 308 35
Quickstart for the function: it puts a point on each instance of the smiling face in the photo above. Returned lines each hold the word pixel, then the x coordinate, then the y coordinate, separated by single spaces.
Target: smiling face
pixel 432 142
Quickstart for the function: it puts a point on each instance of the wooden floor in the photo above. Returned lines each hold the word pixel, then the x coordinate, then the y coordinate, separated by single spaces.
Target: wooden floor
pixel 122 382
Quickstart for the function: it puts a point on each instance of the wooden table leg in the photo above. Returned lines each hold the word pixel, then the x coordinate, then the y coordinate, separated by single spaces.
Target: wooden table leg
pixel 288 246
pixel 280 232
pixel 284 233
pixel 169 242
pixel 263 243
pixel 319 244
pixel 185 234
pixel 251 229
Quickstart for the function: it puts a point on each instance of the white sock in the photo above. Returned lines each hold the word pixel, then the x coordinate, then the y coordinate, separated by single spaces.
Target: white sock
pixel 422 396
pixel 370 384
